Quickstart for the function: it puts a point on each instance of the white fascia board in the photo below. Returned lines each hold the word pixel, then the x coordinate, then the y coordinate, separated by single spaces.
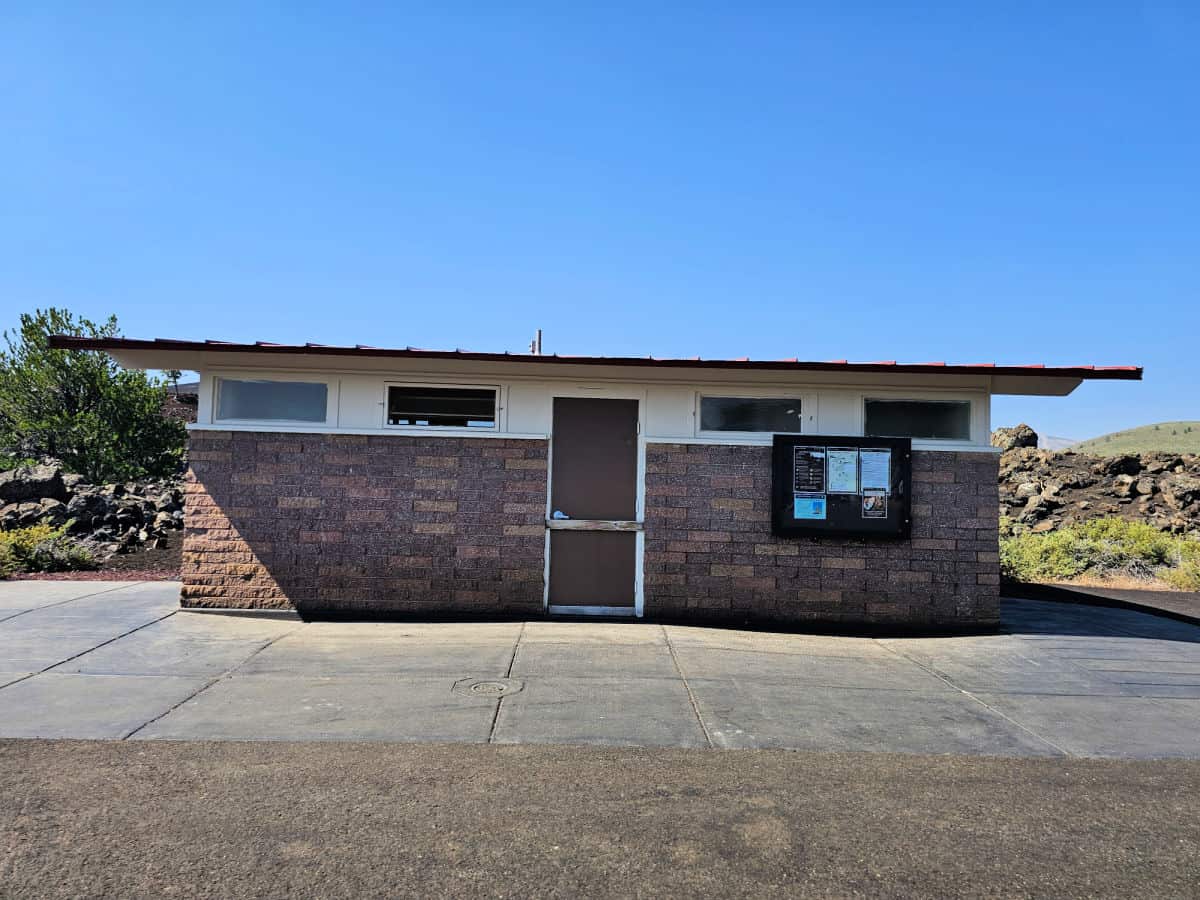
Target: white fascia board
pixel 941 446
pixel 1034 385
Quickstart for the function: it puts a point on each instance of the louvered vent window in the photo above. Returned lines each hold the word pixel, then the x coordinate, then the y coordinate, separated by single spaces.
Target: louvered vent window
pixel 424 406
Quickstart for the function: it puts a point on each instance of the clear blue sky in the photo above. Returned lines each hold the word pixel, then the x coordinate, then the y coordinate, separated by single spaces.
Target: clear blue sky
pixel 1015 184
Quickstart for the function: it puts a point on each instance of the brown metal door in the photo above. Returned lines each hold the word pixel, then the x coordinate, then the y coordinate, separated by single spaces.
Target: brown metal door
pixel 593 482
pixel 592 568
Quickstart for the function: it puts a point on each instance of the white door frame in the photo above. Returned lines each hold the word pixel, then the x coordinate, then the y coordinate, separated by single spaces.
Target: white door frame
pixel 602 392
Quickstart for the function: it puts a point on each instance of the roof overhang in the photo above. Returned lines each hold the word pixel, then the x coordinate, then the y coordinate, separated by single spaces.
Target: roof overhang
pixel 202 355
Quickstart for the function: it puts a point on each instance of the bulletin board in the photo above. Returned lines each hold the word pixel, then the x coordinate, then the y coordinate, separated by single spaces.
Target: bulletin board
pixel 838 485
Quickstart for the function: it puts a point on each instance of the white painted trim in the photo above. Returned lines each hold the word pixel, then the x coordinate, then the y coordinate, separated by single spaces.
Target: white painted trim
pixel 457 433
pixel 497 407
pixel 626 611
pixel 387 432
pixel 635 391
pixel 639 559
pixel 546 552
pixel 204 398
pixel 670 410
pixel 954 447
pixel 758 441
pixel 985 412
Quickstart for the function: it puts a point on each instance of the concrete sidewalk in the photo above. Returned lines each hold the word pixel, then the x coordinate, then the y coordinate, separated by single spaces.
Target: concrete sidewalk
pixel 115 661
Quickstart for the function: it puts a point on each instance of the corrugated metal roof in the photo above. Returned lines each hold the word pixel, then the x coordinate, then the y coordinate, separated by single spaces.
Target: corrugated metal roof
pixel 1127 373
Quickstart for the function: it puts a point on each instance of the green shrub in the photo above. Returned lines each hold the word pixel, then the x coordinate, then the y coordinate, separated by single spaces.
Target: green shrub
pixel 21 541
pixel 8 562
pixel 1101 548
pixel 41 548
pixel 102 421
pixel 11 461
pixel 60 554
pixel 1185 575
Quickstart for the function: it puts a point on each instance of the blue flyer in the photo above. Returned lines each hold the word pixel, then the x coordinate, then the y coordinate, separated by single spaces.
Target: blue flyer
pixel 809 506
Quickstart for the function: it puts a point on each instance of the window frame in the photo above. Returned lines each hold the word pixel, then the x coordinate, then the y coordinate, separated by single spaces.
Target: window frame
pixel 331 398
pixel 971 409
pixel 808 413
pixel 456 430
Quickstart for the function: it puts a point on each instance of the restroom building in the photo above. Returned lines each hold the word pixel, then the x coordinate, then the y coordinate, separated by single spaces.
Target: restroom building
pixel 362 480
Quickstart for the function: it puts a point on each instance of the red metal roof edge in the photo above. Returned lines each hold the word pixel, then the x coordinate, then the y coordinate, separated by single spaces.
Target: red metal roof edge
pixel 1123 373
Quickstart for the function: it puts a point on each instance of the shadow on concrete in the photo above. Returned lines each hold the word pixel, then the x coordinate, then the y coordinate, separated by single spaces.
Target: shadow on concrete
pixel 1182 606
pixel 1077 617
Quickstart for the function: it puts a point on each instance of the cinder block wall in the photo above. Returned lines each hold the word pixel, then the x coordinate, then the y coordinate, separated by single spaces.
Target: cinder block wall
pixel 710 552
pixel 364 523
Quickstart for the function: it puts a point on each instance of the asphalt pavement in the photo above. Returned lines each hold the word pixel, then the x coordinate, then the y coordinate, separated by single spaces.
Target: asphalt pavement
pixel 270 819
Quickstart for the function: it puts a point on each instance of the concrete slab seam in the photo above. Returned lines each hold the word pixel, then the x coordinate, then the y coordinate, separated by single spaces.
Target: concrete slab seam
pixel 73 599
pixel 204 687
pixel 507 674
pixel 1166 702
pixel 63 662
pixel 687 687
pixel 986 706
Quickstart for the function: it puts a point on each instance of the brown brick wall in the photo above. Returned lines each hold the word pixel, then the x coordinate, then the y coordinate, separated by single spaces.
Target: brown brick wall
pixel 710 552
pixel 364 523
pixel 439 524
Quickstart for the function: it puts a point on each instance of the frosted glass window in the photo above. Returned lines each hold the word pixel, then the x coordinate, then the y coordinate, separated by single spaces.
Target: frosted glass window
pixel 936 419
pixel 770 414
pixel 287 401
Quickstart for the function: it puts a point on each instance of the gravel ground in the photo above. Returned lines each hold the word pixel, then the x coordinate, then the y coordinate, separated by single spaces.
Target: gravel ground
pixel 351 820
pixel 159 564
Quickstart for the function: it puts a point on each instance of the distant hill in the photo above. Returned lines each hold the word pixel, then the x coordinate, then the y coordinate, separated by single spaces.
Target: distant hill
pixel 1169 437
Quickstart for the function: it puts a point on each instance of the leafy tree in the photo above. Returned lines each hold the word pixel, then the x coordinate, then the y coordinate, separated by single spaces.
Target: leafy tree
pixel 102 421
pixel 173 376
